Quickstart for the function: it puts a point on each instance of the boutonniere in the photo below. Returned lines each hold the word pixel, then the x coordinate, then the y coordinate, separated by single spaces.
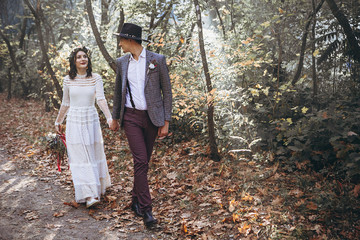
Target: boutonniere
pixel 152 65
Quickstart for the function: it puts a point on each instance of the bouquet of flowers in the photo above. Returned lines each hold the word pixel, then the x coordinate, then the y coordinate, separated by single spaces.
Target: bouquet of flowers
pixel 56 145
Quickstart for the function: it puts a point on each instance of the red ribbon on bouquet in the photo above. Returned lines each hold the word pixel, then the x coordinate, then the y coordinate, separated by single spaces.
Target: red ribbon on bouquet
pixel 63 139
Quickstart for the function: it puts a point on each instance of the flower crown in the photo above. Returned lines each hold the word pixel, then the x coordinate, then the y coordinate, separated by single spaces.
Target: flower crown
pixel 81 48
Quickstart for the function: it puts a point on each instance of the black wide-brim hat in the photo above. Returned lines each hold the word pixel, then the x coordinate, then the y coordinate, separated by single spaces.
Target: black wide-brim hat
pixel 131 31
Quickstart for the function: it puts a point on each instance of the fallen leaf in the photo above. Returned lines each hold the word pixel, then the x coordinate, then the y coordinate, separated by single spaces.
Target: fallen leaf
pixel 311 206
pixel 296 193
pixel 356 190
pixel 277 201
pixel 59 214
pixel 30 215
pixel 72 204
pixel 171 175
pixel 184 228
pixel 245 229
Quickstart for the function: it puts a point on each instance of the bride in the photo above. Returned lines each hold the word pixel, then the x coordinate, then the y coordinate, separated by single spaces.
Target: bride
pixel 84 139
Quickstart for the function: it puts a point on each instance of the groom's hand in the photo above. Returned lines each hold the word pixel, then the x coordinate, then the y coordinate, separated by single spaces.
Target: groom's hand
pixel 114 125
pixel 163 130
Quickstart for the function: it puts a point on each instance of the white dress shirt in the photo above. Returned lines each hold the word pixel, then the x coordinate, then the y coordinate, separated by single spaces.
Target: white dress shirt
pixel 136 77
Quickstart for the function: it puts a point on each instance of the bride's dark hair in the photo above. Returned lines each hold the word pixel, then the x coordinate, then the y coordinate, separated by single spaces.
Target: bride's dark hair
pixel 72 59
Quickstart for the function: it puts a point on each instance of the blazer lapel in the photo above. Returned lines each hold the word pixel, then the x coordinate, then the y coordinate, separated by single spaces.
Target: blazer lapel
pixel 148 59
pixel 124 71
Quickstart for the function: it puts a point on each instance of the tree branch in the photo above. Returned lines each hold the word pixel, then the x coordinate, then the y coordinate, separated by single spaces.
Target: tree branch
pixel 344 23
pixel 303 44
pixel 99 42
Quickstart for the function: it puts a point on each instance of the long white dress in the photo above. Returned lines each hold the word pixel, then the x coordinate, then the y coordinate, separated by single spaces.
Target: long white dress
pixel 84 139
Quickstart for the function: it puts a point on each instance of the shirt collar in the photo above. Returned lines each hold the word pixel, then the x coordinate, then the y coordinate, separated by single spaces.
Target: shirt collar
pixel 142 55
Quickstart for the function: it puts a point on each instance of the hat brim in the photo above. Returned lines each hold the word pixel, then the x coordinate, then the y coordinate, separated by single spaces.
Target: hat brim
pixel 129 37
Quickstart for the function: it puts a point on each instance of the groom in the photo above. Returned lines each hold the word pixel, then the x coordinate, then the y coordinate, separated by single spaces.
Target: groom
pixel 142 107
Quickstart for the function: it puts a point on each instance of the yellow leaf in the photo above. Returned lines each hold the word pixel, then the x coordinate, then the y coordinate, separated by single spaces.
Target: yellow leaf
pixel 182 40
pixel 266 24
pixel 247 198
pixel 316 52
pixel 289 120
pixel 281 11
pixel 304 110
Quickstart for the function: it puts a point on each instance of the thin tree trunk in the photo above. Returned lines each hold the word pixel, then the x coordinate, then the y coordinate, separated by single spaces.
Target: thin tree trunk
pixel 9 96
pixel 104 15
pixel 121 23
pixel 22 33
pixel 313 37
pixel 303 44
pixel 220 18
pixel 343 21
pixel 232 17
pixel 280 50
pixel 98 39
pixel 11 51
pixel 214 154
pixel 154 24
pixel 43 47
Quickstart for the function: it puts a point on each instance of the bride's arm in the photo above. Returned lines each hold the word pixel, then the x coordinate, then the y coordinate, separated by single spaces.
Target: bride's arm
pixel 101 100
pixel 65 104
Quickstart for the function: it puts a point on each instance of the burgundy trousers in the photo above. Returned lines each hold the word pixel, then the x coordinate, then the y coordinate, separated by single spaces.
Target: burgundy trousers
pixel 141 134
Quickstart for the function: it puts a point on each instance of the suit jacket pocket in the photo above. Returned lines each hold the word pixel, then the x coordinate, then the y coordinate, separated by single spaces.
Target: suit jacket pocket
pixel 153 71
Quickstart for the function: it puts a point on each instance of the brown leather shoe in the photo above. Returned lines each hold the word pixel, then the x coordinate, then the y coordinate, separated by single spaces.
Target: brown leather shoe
pixel 149 219
pixel 136 208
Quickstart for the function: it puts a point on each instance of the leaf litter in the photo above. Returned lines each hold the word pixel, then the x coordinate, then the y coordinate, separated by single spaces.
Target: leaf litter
pixel 194 197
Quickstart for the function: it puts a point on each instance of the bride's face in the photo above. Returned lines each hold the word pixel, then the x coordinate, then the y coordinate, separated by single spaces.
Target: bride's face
pixel 81 60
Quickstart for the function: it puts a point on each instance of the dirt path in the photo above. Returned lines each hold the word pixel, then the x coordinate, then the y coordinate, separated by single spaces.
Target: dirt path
pixel 33 208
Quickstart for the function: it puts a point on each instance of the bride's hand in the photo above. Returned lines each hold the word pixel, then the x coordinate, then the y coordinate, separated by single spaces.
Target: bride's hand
pixel 58 129
pixel 114 125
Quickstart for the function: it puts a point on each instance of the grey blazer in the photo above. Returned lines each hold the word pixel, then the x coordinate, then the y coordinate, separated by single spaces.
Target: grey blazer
pixel 157 89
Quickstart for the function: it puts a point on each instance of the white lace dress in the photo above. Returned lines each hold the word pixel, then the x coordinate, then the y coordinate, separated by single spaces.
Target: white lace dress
pixel 84 139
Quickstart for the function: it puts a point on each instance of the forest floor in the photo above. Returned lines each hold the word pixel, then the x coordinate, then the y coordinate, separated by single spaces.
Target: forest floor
pixel 240 197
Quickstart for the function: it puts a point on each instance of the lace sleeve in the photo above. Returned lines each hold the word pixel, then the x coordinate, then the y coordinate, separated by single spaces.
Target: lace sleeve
pixel 101 100
pixel 65 104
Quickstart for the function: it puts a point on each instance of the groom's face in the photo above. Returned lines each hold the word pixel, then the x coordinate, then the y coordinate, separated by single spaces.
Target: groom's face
pixel 124 44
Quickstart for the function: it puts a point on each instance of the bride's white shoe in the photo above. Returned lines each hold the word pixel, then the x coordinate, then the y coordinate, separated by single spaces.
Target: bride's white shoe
pixel 92 202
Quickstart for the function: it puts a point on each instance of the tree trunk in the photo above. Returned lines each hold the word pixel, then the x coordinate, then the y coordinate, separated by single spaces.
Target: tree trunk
pixel 22 33
pixel 343 21
pixel 303 44
pixel 220 18
pixel 11 52
pixel 98 39
pixel 313 37
pixel 154 24
pixel 9 96
pixel 121 23
pixel 43 47
pixel 104 15
pixel 278 70
pixel 214 154
pixel 232 17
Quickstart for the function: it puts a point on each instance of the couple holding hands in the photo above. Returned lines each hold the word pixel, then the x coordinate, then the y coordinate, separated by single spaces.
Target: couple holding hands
pixel 142 107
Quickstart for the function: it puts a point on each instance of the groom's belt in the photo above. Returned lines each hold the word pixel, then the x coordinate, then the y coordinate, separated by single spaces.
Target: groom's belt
pixel 135 110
